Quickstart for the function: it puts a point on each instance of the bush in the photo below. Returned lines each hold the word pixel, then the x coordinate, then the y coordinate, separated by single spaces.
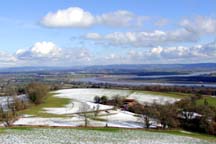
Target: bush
pixel 118 101
pixel 104 100
pixel 19 104
pixel 97 99
pixel 37 92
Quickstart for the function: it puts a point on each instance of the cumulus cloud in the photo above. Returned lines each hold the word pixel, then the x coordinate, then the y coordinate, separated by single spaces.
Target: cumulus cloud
pixel 40 50
pixel 157 50
pixel 143 39
pixel 200 25
pixel 175 54
pixel 48 53
pixel 77 17
pixel 120 18
pixel 7 59
pixel 71 17
pixel 197 51
pixel 171 52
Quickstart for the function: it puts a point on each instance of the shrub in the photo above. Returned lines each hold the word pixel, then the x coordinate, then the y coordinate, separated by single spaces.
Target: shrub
pixel 37 92
pixel 104 99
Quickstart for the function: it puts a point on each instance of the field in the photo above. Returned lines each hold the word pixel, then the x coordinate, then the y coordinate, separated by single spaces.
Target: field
pixel 92 136
pixel 210 101
pixel 50 101
pixel 65 108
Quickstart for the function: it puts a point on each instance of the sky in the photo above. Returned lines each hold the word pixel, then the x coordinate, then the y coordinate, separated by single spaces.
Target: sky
pixel 103 32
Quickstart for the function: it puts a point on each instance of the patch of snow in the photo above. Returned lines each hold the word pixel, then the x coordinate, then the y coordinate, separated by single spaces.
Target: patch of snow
pixel 76 107
pixel 120 116
pixel 74 121
pixel 93 106
pixel 150 98
pixel 71 108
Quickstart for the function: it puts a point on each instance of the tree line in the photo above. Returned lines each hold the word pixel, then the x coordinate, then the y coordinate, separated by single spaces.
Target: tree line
pixel 185 114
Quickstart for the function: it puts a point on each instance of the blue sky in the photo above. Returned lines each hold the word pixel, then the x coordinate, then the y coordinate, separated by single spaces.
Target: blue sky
pixel 80 32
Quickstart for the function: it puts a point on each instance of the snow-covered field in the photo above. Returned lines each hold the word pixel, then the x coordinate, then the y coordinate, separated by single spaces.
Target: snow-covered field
pixel 76 136
pixel 114 119
pixel 88 94
pixel 82 101
pixel 77 107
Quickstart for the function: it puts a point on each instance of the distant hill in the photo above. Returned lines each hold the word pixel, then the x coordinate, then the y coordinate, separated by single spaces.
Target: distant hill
pixel 120 69
pixel 199 67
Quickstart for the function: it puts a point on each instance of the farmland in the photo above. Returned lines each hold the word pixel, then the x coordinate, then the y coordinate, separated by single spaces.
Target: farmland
pixel 64 107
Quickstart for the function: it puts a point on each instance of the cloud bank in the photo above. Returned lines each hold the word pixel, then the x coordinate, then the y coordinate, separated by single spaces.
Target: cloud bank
pixel 76 17
pixel 143 39
pixel 49 54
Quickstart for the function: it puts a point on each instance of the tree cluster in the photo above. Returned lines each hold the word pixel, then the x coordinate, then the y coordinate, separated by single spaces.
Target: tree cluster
pixel 37 92
pixel 185 114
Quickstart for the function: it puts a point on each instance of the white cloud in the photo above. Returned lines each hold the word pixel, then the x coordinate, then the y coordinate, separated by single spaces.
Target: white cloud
pixel 93 36
pixel 71 17
pixel 157 50
pixel 5 57
pixel 47 49
pixel 83 54
pixel 204 51
pixel 49 54
pixel 174 54
pixel 40 50
pixel 171 52
pixel 7 60
pixel 143 39
pixel 117 18
pixel 77 17
pixel 121 18
pixel 200 25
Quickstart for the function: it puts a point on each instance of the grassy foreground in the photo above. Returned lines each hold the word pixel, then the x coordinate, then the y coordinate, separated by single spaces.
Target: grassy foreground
pixel 117 130
pixel 186 133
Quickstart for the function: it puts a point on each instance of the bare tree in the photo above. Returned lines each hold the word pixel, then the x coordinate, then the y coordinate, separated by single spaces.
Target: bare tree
pixel 83 109
pixel 8 113
pixel 96 111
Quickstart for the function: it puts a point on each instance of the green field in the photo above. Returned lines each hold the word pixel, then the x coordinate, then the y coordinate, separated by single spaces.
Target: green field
pixel 210 100
pixel 187 133
pixel 49 101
